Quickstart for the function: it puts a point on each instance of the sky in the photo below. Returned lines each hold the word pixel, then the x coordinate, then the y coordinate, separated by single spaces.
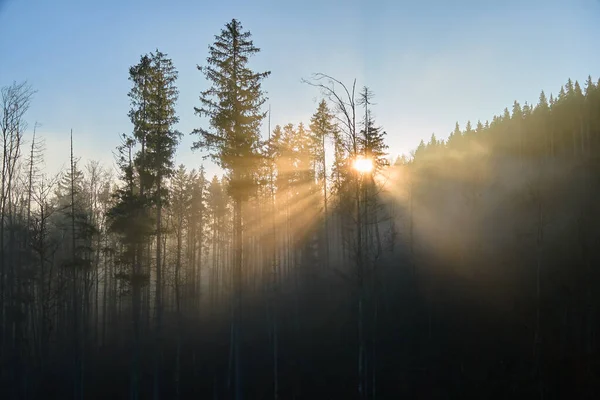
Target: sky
pixel 430 63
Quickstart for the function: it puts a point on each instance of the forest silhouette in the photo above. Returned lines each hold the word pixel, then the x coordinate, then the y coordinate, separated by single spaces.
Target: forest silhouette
pixel 318 265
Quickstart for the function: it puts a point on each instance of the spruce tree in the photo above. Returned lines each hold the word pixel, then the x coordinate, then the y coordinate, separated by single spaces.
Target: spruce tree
pixel 153 97
pixel 129 219
pixel 454 140
pixel 479 128
pixel 540 134
pixel 372 144
pixel 233 105
pixel 161 143
pixel 433 142
pixel 322 126
pixel 590 115
pixel 468 129
pixel 338 170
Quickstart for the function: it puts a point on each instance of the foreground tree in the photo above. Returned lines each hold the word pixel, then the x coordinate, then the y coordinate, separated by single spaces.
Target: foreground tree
pixel 233 105
pixel 161 143
pixel 153 97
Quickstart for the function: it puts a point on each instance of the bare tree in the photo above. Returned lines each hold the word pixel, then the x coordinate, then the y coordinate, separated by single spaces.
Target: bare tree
pixel 14 101
pixel 345 103
pixel 45 249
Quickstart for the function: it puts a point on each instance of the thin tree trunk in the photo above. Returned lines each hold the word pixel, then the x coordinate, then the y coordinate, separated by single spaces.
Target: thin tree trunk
pixel 77 368
pixel 178 305
pixel 360 275
pixel 159 294
pixel 3 287
pixel 237 284
pixel 325 209
pixel 537 344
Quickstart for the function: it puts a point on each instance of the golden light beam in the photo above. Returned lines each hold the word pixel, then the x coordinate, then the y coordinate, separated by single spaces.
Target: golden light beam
pixel 363 165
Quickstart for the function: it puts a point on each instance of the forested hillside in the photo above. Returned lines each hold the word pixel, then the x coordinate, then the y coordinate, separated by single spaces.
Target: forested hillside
pixel 502 230
pixel 314 267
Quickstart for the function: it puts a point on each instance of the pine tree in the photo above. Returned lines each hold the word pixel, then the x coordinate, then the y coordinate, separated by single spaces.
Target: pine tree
pixel 338 170
pixel 322 126
pixel 515 144
pixel 479 128
pixel 197 227
pixel 161 142
pixel 233 105
pixel 180 204
pixel 216 203
pixel 129 219
pixel 455 138
pixel 153 97
pixel 305 192
pixel 469 130
pixel 569 87
pixel 139 95
pixel 433 142
pixel 540 137
pixel 591 101
pixel 577 113
pixel 421 149
pixel 372 144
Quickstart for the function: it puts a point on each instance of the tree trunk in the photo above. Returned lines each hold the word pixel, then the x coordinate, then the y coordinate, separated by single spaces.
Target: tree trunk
pixel 159 294
pixel 237 284
pixel 178 306
pixel 136 306
pixel 537 344
pixel 360 289
pixel 325 210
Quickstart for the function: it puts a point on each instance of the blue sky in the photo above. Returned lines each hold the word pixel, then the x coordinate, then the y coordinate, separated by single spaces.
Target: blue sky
pixel 430 63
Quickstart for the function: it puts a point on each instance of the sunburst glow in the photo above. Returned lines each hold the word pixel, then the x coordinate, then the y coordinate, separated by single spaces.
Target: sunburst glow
pixel 363 165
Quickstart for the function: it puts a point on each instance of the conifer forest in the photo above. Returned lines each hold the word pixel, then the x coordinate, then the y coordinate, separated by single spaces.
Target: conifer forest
pixel 318 265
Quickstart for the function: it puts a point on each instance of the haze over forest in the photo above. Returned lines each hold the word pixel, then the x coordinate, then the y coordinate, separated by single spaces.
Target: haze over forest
pixel 218 240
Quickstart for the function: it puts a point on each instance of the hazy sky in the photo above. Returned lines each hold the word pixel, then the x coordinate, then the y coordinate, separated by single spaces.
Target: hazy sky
pixel 429 63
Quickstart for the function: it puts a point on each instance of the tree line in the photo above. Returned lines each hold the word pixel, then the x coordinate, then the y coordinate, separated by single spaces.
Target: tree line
pixel 501 218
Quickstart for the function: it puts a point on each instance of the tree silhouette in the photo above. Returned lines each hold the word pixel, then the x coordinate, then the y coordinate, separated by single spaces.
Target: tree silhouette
pixel 233 105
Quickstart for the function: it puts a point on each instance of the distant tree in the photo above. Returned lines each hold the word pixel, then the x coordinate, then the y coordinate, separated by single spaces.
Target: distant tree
pixel 181 202
pixel 479 128
pixel 592 94
pixel 516 131
pixel 433 142
pixel 455 138
pixel 217 219
pixel 541 139
pixel 196 227
pixel 304 191
pixel 322 127
pixel 372 143
pixel 469 130
pixel 577 114
pixel 130 220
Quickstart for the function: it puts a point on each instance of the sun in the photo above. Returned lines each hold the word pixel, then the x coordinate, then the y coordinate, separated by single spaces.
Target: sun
pixel 363 165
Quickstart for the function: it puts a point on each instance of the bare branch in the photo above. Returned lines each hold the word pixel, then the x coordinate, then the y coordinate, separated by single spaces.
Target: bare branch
pixel 344 106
